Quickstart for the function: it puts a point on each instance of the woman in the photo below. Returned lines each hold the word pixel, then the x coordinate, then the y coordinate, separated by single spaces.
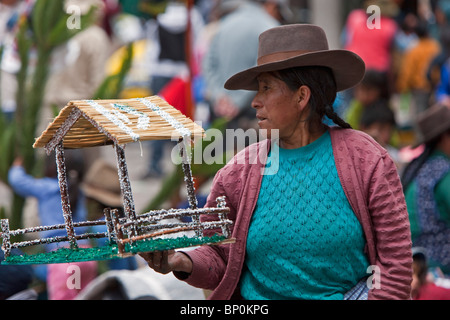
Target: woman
pixel 426 182
pixel 332 212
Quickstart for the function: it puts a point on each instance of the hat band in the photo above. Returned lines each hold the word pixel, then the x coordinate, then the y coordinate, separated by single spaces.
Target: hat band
pixel 279 56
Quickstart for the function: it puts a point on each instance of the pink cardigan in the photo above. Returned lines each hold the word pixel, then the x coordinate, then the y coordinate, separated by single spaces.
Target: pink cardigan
pixel 371 183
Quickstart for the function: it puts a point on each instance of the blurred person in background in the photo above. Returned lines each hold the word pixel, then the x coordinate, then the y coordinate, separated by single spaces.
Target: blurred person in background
pixel 47 192
pixel 102 190
pixel 373 88
pixel 15 280
pixel 373 45
pixel 10 14
pixel 378 121
pixel 168 64
pixel 78 66
pixel 425 286
pixel 426 183
pixel 233 48
pixel 412 76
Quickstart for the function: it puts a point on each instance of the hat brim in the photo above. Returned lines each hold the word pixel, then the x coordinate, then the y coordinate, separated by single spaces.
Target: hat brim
pixel 348 69
pixel 433 134
pixel 106 197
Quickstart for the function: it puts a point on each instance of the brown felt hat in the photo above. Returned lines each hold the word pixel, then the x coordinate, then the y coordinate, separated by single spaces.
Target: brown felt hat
pixel 299 45
pixel 433 122
pixel 102 184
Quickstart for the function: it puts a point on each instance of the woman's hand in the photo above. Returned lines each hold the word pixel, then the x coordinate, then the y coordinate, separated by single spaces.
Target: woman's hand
pixel 167 261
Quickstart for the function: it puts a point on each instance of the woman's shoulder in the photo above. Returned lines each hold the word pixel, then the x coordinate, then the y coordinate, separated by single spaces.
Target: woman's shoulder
pixel 355 143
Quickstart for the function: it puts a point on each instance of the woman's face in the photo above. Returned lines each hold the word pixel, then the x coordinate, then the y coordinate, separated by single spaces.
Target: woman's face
pixel 276 106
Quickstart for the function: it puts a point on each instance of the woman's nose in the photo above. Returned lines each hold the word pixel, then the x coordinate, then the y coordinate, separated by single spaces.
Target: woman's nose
pixel 256 103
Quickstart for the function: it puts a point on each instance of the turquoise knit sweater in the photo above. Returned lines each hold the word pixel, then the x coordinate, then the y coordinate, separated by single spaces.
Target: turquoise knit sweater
pixel 304 240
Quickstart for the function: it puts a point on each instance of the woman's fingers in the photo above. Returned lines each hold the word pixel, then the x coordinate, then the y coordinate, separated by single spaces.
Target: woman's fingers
pixel 165 266
pixel 158 260
pixel 148 257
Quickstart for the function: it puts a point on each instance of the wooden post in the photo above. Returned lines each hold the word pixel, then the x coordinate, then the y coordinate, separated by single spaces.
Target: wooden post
pixel 118 230
pixel 187 170
pixel 6 244
pixel 221 203
pixel 62 179
pixel 109 224
pixel 125 186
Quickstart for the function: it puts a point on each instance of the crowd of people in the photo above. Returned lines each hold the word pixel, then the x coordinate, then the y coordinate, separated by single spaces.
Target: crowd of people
pixel 406 62
pixel 405 90
pixel 401 100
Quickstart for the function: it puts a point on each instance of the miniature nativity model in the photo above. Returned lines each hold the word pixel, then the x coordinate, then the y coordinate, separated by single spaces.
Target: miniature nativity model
pixel 89 123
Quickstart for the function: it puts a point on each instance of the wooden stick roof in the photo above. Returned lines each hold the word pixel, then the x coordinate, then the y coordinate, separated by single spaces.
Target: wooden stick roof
pixel 89 123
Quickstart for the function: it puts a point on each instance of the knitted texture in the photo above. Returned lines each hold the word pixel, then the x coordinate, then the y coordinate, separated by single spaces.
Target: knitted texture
pixel 304 240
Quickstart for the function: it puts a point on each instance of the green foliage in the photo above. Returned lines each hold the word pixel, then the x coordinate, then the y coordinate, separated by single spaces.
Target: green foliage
pixel 48 30
pixel 49 24
pixel 2 213
pixel 6 147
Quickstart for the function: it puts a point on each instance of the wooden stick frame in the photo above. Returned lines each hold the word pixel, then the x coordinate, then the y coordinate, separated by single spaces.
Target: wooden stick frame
pixel 62 179
pixel 125 183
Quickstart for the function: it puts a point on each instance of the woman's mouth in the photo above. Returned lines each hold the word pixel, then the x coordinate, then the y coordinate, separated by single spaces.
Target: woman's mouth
pixel 260 118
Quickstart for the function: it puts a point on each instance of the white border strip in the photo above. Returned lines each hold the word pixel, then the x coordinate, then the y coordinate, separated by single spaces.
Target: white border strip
pixel 169 119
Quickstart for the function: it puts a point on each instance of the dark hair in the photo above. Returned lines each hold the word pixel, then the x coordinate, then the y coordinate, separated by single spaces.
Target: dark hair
pixel 420 261
pixel 378 80
pixel 422 29
pixel 411 170
pixel 378 112
pixel 321 82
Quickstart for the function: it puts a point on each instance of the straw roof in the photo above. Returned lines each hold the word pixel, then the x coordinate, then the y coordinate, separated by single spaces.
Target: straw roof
pixel 89 123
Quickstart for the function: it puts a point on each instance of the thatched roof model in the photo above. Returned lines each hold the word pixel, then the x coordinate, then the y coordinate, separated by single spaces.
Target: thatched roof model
pixel 89 123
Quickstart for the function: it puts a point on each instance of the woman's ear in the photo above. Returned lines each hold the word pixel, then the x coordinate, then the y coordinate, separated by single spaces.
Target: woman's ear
pixel 304 94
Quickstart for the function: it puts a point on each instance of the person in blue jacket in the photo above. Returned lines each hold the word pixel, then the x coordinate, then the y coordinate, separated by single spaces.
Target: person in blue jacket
pixel 47 192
